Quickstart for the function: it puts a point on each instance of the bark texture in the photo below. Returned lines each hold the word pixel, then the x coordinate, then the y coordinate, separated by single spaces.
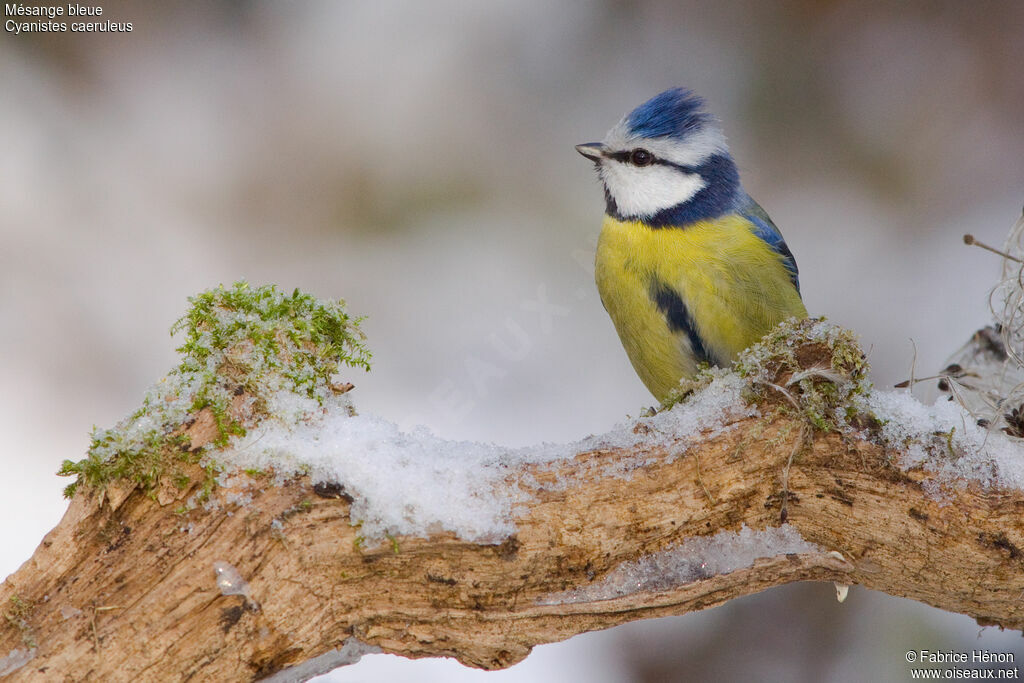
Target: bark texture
pixel 124 587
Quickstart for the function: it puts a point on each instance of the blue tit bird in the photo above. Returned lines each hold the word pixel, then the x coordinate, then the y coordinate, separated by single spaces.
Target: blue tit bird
pixel 690 269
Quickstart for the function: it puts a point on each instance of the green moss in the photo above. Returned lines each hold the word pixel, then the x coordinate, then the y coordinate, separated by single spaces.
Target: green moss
pixel 246 329
pixel 303 506
pixel 817 368
pixel 17 615
pixel 241 341
pixel 394 542
pixel 950 448
pixel 208 484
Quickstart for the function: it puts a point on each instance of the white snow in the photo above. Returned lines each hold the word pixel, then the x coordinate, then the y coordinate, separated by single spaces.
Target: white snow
pixel 350 652
pixel 696 558
pixel 986 377
pixel 69 612
pixel 946 440
pixel 16 659
pixel 415 483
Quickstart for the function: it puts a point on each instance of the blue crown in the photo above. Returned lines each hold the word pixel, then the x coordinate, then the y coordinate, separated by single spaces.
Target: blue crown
pixel 674 113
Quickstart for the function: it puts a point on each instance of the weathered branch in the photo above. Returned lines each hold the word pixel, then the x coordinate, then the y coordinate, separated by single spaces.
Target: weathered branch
pixel 124 587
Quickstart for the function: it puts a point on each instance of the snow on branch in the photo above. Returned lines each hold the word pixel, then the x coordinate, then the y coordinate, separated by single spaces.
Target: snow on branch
pixel 246 523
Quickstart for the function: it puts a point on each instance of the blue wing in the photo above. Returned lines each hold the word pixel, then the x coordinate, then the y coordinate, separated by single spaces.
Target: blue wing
pixel 767 231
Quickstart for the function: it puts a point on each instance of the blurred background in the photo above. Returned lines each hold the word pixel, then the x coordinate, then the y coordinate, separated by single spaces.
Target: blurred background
pixel 417 159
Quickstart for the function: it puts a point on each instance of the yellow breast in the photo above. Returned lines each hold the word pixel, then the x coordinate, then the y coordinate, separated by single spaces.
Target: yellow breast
pixel 731 287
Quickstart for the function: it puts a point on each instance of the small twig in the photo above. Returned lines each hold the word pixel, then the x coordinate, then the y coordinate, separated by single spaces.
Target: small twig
pixel 799 446
pixel 969 240
pixel 95 635
pixel 917 380
pixel 92 621
pixel 818 372
pixel 913 364
pixel 782 390
pixel 700 480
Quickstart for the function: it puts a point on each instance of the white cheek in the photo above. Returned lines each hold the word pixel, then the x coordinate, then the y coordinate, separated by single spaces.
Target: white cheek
pixel 644 191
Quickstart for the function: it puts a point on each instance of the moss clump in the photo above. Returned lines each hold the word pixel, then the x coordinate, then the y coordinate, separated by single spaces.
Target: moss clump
pixel 817 367
pixel 17 615
pixel 255 346
pixel 243 333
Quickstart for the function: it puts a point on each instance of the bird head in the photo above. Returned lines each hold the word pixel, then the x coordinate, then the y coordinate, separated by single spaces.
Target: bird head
pixel 666 163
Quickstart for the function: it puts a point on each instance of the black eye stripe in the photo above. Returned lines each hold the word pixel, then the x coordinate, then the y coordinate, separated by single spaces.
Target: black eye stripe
pixel 625 157
pixel 681 167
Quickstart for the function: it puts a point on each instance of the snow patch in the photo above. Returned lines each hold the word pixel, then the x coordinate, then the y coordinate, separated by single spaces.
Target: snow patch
pixel 416 483
pixel 350 652
pixel 945 439
pixel 696 558
pixel 16 659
